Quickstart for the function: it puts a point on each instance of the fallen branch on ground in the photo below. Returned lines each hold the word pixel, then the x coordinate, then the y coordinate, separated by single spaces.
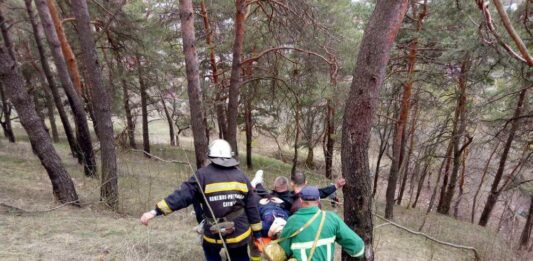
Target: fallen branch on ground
pixel 160 159
pixel 476 254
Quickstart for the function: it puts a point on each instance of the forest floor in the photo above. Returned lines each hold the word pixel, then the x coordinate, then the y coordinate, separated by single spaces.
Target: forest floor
pixel 33 228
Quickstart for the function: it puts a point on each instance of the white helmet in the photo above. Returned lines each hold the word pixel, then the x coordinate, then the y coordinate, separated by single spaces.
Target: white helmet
pixel 220 153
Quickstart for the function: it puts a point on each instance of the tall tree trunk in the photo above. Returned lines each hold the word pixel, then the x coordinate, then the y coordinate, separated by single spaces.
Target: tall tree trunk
pixel 80 118
pixel 399 140
pixel 62 185
pixel 5 36
pixel 65 47
pixel 526 233
pixel 411 136
pixel 193 81
pixel 6 110
pixel 397 143
pixel 494 191
pixel 74 148
pixel 446 167
pixel 328 138
pixel 368 76
pixel 171 131
pixel 235 80
pixel 34 96
pixel 427 164
pixel 102 105
pixel 144 109
pixel 461 181
pixel 129 118
pixel 296 138
pixel 457 135
pixel 383 146
pixel 130 123
pixel 49 101
pixel 248 127
pixel 219 101
pixel 6 107
pixel 50 110
pixel 485 171
pixel 309 119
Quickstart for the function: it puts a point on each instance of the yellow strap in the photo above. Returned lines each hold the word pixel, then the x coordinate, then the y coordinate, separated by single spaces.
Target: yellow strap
pixel 300 229
pixel 318 236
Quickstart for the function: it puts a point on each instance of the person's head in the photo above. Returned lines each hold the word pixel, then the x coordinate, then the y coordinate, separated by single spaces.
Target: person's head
pixel 220 153
pixel 310 196
pixel 298 181
pixel 281 184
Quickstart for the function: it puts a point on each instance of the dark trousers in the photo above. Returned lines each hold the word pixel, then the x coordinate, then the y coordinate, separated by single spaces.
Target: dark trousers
pixel 212 252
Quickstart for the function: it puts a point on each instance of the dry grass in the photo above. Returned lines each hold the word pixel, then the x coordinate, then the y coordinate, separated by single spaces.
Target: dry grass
pixel 94 233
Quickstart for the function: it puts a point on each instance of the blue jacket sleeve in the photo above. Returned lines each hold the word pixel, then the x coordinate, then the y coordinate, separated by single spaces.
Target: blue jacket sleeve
pixel 326 191
pixel 181 198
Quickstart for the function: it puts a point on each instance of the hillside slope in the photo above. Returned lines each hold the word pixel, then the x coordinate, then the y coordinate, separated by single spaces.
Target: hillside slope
pixel 32 229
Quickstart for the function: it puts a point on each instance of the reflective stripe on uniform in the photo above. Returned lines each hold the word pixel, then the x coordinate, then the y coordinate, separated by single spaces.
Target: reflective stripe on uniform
pixel 257 226
pixel 163 206
pixel 236 239
pixel 303 246
pixel 360 253
pixel 226 186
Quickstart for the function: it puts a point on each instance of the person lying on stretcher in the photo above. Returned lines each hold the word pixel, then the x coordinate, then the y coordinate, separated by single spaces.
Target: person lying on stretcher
pixel 276 206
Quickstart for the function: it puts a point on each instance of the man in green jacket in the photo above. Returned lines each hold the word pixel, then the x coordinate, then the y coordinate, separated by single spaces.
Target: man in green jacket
pixel 311 233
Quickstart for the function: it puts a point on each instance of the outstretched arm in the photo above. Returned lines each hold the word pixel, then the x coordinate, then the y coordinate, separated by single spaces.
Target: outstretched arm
pixel 179 199
pixel 326 191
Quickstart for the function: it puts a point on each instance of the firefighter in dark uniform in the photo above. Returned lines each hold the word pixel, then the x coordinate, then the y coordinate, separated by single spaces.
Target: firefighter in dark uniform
pixel 231 198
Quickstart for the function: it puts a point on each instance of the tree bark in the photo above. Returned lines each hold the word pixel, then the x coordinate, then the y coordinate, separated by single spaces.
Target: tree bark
pixel 6 107
pixel 296 138
pixel 329 141
pixel 171 131
pixel 34 96
pixel 130 123
pixel 62 185
pixel 383 146
pixel 144 109
pixel 494 191
pixel 446 167
pixel 80 118
pixel 485 171
pixel 102 105
pixel 220 107
pixel 193 81
pixel 411 136
pixel 248 127
pixel 49 101
pixel 65 47
pixel 397 141
pixel 427 164
pixel 74 148
pixel 6 110
pixel 51 115
pixel 368 76
pixel 457 135
pixel 526 232
pixel 235 80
